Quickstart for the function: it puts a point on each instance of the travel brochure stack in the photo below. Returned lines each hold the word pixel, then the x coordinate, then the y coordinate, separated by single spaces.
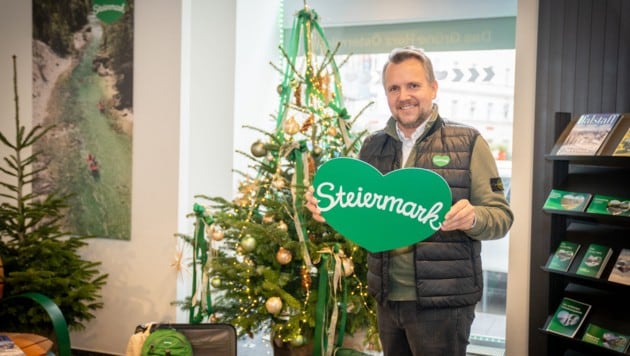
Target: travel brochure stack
pixel 571 314
pixel 593 263
pixel 562 200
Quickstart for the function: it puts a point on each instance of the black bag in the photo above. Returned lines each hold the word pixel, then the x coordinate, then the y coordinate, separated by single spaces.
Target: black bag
pixel 207 339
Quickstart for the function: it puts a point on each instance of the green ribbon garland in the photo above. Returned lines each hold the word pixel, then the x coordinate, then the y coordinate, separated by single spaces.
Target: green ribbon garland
pixel 297 155
pixel 344 314
pixel 307 20
pixel 200 257
pixel 319 342
pixel 285 88
pixel 303 25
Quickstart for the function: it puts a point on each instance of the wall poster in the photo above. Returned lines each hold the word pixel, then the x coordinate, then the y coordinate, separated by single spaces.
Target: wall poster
pixel 83 85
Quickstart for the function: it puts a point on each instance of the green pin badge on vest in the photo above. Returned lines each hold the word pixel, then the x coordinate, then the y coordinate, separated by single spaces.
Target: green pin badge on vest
pixel 441 160
pixel 381 212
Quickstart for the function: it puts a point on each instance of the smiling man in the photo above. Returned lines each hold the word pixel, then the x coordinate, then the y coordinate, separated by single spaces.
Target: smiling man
pixel 427 292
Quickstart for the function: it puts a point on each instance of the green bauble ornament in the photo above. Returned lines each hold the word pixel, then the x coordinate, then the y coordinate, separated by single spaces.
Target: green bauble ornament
pixel 248 243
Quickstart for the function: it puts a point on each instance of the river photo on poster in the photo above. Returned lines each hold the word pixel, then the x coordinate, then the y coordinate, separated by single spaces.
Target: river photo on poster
pixel 83 85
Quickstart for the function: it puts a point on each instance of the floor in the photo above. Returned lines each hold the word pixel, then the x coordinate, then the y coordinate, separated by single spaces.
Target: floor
pixel 488 331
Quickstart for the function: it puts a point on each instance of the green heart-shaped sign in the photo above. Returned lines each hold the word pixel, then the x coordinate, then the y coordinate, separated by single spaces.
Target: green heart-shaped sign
pixel 109 11
pixel 377 212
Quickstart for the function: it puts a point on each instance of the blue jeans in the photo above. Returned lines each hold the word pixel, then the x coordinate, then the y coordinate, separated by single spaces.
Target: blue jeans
pixel 407 330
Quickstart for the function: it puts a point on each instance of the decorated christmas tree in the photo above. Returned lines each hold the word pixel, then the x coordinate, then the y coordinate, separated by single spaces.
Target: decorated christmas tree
pixel 260 261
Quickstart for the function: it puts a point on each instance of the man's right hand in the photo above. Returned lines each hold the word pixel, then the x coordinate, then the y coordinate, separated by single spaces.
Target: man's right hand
pixel 311 205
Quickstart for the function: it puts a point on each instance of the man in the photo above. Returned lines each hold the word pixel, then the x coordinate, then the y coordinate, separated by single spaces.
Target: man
pixel 427 292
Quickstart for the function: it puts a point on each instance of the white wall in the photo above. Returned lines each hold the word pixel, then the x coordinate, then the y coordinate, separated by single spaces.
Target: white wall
pixel 15 34
pixel 522 177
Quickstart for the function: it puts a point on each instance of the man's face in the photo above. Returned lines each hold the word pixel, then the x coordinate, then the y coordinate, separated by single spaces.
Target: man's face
pixel 409 93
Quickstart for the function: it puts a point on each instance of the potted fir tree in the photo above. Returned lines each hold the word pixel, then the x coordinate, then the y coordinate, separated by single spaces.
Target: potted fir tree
pixel 38 255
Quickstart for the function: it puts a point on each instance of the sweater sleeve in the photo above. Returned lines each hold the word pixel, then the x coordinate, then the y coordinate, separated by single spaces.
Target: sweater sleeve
pixel 492 211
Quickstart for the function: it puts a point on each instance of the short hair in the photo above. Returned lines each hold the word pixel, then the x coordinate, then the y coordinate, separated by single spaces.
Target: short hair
pixel 398 55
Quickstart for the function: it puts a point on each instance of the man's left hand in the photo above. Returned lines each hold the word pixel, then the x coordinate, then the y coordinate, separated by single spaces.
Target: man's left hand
pixel 460 217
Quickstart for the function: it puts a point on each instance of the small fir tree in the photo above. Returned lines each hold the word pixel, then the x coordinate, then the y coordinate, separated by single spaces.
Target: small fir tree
pixel 263 257
pixel 38 255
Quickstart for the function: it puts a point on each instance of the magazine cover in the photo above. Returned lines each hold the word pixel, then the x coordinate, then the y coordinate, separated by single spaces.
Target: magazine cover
pixel 623 147
pixel 564 255
pixel 594 261
pixel 621 270
pixel 608 205
pixel 563 200
pixel 588 134
pixel 568 317
pixel 597 335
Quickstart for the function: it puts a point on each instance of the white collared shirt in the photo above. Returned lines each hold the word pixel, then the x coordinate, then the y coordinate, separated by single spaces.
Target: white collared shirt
pixel 409 142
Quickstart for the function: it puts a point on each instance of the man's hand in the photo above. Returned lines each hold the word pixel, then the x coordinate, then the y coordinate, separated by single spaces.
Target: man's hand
pixel 311 205
pixel 460 217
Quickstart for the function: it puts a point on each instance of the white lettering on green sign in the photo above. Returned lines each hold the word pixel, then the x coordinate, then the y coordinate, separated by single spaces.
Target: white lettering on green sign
pixel 331 198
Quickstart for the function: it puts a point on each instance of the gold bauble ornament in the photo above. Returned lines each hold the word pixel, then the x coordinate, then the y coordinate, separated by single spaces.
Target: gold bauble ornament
pixel 278 183
pixel 283 256
pixel 218 235
pixel 282 226
pixel 267 219
pixel 298 341
pixel 317 151
pixel 215 282
pixel 258 149
pixel 332 131
pixel 248 243
pixel 348 267
pixel 215 232
pixel 273 305
pixel 291 126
